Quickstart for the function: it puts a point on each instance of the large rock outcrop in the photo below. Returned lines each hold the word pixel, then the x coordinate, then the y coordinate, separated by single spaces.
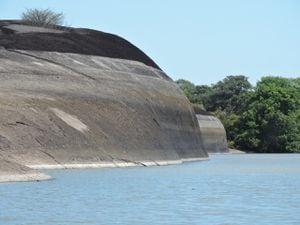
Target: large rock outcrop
pixel 78 96
pixel 213 133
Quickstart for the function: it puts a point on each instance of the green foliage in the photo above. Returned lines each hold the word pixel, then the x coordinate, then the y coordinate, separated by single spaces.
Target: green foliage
pixel 196 94
pixel 229 120
pixel 43 17
pixel 198 107
pixel 262 119
pixel 202 94
pixel 188 88
pixel 228 94
pixel 271 121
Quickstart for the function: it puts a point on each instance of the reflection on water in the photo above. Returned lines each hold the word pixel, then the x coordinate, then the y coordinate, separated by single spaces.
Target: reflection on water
pixel 227 189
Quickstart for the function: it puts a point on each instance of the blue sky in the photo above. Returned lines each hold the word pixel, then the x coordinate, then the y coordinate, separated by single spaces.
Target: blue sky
pixel 201 41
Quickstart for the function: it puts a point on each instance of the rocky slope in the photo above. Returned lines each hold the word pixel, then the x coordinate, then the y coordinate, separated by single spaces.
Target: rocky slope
pixel 19 35
pixel 81 97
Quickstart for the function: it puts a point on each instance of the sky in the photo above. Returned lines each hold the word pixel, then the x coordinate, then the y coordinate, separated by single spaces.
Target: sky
pixel 200 41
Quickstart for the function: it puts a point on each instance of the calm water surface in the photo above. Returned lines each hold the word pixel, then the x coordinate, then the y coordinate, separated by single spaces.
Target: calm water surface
pixel 227 190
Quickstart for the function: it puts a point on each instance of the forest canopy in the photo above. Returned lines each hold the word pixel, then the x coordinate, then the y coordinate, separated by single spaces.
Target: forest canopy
pixel 264 118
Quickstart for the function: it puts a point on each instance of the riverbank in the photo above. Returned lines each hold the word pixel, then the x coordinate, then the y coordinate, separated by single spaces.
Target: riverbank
pixel 116 164
pixel 12 171
pixel 35 175
pixel 24 177
pixel 236 151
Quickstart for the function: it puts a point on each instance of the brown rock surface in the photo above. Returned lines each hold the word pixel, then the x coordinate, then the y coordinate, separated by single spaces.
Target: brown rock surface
pixel 213 134
pixel 59 108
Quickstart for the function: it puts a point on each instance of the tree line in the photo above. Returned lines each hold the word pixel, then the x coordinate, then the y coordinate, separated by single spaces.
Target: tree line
pixel 261 118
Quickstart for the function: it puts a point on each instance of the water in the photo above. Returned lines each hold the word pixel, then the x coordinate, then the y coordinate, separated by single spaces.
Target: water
pixel 227 190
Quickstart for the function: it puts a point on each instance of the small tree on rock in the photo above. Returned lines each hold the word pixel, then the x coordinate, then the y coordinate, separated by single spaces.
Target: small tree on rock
pixel 43 17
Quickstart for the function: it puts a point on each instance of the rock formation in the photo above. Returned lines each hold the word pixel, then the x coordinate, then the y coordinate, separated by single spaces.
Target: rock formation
pixel 213 134
pixel 82 97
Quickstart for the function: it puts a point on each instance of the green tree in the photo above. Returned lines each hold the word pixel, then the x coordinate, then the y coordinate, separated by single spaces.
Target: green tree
pixel 262 119
pixel 229 94
pixel 43 17
pixel 229 121
pixel 271 122
pixel 188 88
pixel 202 94
pixel 197 94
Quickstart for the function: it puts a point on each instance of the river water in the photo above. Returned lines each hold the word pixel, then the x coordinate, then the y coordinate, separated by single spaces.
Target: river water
pixel 226 190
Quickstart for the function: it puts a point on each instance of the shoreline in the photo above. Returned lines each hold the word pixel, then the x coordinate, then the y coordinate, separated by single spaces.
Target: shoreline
pixel 114 164
pixel 38 176
pixel 236 151
pixel 24 177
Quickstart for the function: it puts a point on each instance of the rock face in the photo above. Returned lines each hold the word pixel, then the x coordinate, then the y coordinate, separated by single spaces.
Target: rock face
pixel 213 134
pixel 76 96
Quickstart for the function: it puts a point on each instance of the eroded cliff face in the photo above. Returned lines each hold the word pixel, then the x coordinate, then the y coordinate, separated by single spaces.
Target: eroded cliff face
pixel 60 108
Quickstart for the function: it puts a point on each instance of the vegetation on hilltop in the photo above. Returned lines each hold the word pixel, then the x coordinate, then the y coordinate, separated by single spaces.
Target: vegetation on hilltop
pixel 264 118
pixel 43 17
